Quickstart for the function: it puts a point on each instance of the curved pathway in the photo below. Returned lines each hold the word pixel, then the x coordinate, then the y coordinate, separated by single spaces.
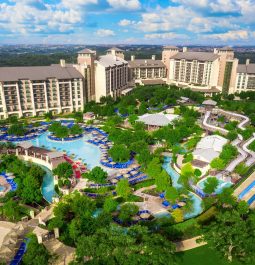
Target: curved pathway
pixel 244 121
pixel 243 151
pixel 251 160
pixel 212 127
pixel 189 244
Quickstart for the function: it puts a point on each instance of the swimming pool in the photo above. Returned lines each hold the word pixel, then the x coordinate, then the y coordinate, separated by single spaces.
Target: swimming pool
pixel 2 188
pixel 48 187
pixel 197 206
pixel 221 186
pixel 246 190
pixel 251 200
pixel 89 154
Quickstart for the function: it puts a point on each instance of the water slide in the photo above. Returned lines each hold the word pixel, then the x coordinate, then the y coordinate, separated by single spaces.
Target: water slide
pixel 241 157
pixel 251 159
pixel 243 151
pixel 244 121
pixel 212 127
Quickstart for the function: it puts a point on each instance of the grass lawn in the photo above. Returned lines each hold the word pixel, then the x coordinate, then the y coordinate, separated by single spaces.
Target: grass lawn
pixel 202 256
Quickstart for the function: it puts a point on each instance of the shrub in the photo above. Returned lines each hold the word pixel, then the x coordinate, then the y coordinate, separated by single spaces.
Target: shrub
pixel 207 216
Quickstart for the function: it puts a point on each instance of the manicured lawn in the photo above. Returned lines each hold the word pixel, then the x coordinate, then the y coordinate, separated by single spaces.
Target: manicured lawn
pixel 201 256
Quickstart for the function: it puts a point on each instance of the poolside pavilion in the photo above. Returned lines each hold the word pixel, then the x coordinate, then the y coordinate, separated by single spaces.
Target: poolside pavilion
pixel 157 120
pixel 40 155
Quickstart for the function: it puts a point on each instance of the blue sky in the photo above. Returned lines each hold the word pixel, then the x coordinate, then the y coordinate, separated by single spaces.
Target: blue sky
pixel 179 22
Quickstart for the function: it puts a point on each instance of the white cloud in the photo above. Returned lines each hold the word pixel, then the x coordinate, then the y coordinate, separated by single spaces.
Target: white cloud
pixel 165 19
pixel 26 17
pixel 125 4
pixel 105 33
pixel 193 3
pixel 230 35
pixel 224 6
pixel 77 3
pixel 126 22
pixel 168 35
pixel 200 24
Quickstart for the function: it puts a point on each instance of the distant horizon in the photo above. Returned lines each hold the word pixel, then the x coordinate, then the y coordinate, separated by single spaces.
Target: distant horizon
pixel 126 44
pixel 156 22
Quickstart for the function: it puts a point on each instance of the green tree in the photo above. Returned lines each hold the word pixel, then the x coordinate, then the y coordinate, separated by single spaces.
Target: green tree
pixel 127 211
pixel 76 129
pixel 78 116
pixel 154 168
pixel 11 210
pixel 132 118
pixel 227 198
pixel 211 185
pixel 109 246
pixel 110 205
pixel 241 169
pixel 48 116
pixel 162 181
pixel 231 235
pixel 63 170
pixel 119 153
pixel 232 135
pixel 62 132
pixel 36 253
pixel 31 191
pixel 218 163
pixel 17 129
pixel 97 174
pixel 177 214
pixel 123 189
pixel 172 194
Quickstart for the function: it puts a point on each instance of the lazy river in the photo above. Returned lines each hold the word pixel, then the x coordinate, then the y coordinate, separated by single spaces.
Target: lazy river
pixel 221 186
pixel 77 149
pixel 88 153
pixel 197 201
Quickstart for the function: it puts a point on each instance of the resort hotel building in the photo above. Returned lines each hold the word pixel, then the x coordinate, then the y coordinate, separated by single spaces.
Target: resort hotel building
pixel 30 91
pixel 202 71
pixel 111 75
pixel 146 69
pixel 245 80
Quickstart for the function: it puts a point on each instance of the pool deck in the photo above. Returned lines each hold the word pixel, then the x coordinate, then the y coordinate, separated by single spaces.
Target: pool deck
pixel 5 184
pixel 151 203
pixel 243 186
pixel 246 183
pixel 188 244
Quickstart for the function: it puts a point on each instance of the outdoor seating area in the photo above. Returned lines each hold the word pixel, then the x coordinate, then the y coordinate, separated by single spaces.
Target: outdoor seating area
pixel 69 138
pixel 21 251
pixel 100 139
pixel 167 204
pixel 78 167
pixel 133 175
pixel 9 179
pixel 30 135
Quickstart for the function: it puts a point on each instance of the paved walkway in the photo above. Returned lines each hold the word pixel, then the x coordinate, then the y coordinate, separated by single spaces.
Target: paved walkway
pixel 251 160
pixel 188 244
pixel 246 183
pixel 65 254
pixel 151 203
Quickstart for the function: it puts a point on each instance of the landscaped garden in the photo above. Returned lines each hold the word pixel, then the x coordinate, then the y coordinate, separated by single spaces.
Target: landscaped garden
pixel 134 207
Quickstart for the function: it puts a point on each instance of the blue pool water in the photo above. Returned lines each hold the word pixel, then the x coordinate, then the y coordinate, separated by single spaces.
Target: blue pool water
pixel 175 176
pixel 246 190
pixel 48 187
pixel 251 200
pixel 222 185
pixel 90 154
pixel 2 188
